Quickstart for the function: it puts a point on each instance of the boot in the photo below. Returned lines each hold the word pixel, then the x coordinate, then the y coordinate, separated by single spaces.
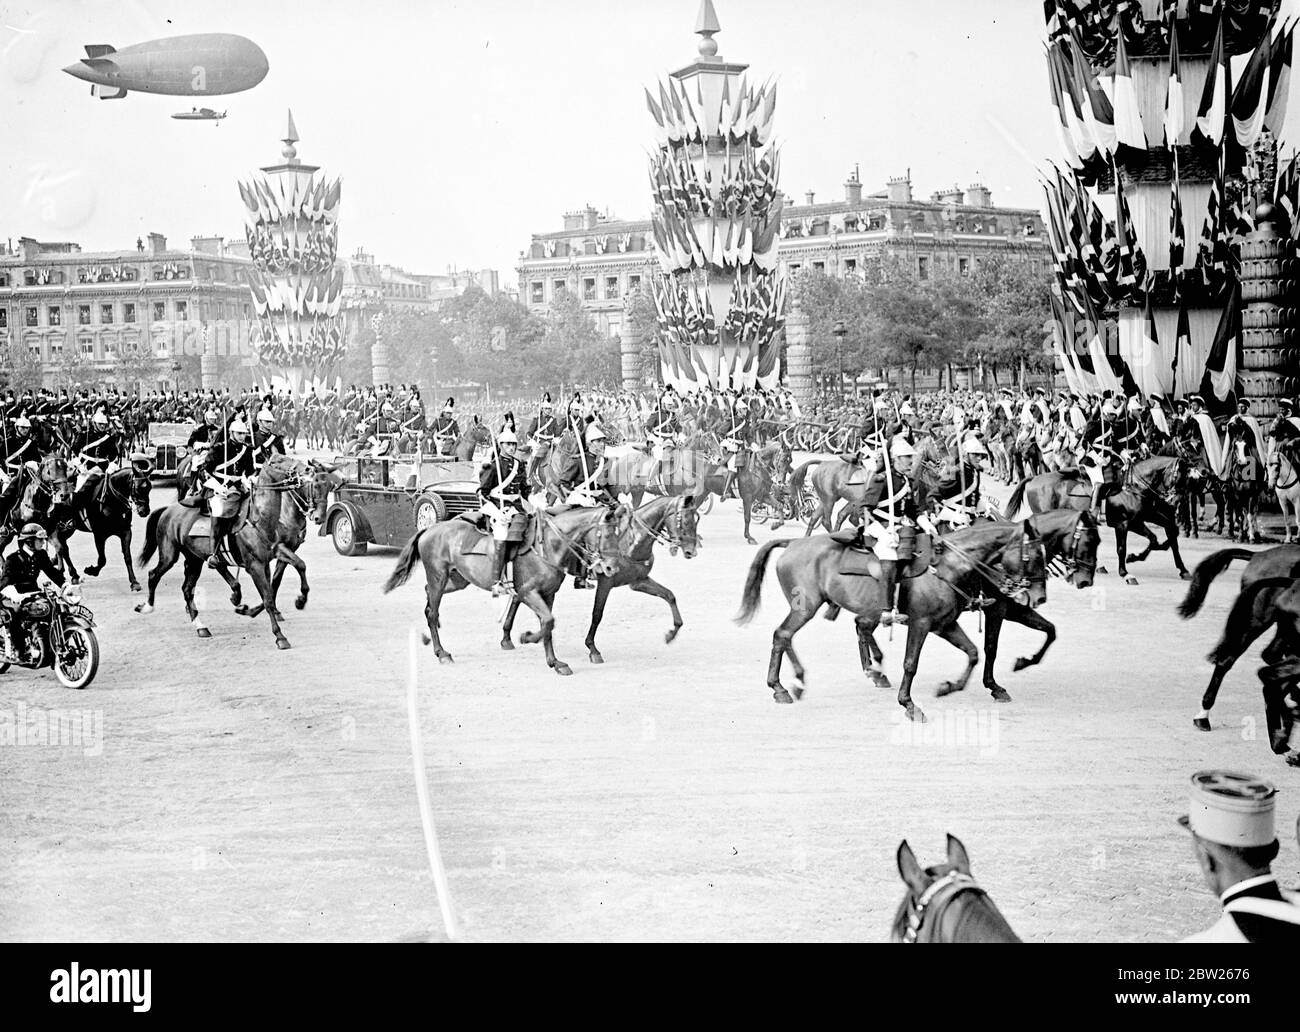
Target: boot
pixel 888 589
pixel 218 536
pixel 502 586
pixel 727 485
pixel 1095 506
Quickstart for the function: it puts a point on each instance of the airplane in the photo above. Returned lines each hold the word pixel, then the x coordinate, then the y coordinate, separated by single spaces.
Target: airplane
pixel 200 115
pixel 209 64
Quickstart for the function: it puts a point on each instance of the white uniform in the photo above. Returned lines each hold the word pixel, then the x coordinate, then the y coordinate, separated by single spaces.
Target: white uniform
pixel 1274 921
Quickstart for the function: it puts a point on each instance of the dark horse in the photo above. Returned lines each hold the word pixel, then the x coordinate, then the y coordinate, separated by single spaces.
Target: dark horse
pixel 1000 558
pixel 671 521
pixel 1244 480
pixel 944 903
pixel 120 496
pixel 456 554
pixel 1145 497
pixel 171 531
pixel 1267 576
pixel 1070 541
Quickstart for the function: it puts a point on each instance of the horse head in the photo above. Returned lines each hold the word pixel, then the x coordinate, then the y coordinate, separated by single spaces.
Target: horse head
pixel 683 526
pixel 141 483
pixel 317 488
pixel 1081 552
pixel 944 903
pixel 608 529
pixel 1024 561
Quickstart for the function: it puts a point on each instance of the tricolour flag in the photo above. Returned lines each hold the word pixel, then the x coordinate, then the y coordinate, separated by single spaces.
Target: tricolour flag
pixel 1098 115
pixel 1250 98
pixel 1279 81
pixel 1212 115
pixel 1128 118
pixel 1221 367
pixel 1177 235
pixel 1174 96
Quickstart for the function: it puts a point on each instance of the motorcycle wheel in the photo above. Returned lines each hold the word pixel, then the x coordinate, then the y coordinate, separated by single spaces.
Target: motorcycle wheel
pixel 76 663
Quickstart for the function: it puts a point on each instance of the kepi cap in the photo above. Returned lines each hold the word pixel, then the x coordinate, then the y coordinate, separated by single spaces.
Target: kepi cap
pixel 1231 809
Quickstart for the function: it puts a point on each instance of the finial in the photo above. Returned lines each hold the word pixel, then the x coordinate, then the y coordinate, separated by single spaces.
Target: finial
pixel 290 152
pixel 705 27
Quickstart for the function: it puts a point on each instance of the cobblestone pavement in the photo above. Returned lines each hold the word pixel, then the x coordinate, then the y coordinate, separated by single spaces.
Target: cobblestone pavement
pixel 242 793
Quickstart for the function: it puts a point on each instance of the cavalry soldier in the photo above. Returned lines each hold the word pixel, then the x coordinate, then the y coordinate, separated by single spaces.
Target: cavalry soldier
pixel 22 570
pixel 22 446
pixel 230 470
pixel 503 489
pixel 1231 821
pixel 95 457
pixel 1156 425
pixel 737 441
pixel 1104 459
pixel 199 442
pixel 541 432
pixel 411 430
pixel 661 431
pixel 265 441
pixel 594 486
pixel 889 516
pixel 446 431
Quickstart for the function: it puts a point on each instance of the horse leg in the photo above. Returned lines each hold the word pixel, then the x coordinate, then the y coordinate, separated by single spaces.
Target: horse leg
pixel 100 560
pixel 650 586
pixel 193 568
pixel 540 604
pixel 1121 548
pixel 124 536
pixel 508 624
pixel 993 617
pixel 917 629
pixel 288 555
pixel 435 587
pixel 1236 640
pixel 746 504
pixel 954 635
pixel 603 586
pixel 781 640
pixel 867 652
pixel 261 577
pixel 168 553
pixel 1170 527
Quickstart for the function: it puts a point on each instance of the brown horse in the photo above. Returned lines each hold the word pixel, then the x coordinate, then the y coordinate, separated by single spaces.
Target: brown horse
pixel 1146 496
pixel 122 494
pixel 833 480
pixel 456 554
pixel 1267 576
pixel 170 531
pixel 986 559
pixel 1244 480
pixel 944 903
pixel 672 521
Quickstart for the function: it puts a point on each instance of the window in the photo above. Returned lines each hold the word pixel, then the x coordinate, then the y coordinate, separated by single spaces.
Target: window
pixel 29 277
pixel 35 352
pixel 537 292
pixel 55 316
pixel 558 287
pixel 963 266
pixel 182 310
pixel 31 316
pixel 106 314
pixel 128 311
pixel 4 318
pixel 819 266
pixel 247 313
pixel 130 274
pixel 850 265
pixel 794 267
pixel 159 311
pixel 87 347
pixel 56 350
pixel 4 279
pixel 923 268
pixel 83 315
pixel 589 289
pixel 159 272
pixel 634 283
pixel 611 286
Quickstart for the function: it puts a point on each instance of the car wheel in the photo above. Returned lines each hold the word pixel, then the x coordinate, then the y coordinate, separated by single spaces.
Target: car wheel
pixel 430 509
pixel 345 536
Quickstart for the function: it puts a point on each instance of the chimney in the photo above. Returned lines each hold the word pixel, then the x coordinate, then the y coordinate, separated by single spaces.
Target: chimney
pixel 573 220
pixel 900 189
pixel 30 248
pixel 207 245
pixel 808 198
pixel 853 188
pixel 590 217
pixel 979 196
pixel 157 243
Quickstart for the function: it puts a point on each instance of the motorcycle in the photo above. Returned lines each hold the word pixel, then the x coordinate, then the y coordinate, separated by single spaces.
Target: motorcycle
pixel 59 632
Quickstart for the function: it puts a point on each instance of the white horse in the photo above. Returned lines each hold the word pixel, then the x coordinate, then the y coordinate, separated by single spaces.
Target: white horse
pixel 1284 481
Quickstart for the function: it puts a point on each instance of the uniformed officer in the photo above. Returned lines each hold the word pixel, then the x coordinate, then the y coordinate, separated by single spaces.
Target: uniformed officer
pixel 503 490
pixel 446 431
pixel 100 450
pixel 1231 821
pixel 543 429
pixel 738 435
pixel 412 426
pixel 229 469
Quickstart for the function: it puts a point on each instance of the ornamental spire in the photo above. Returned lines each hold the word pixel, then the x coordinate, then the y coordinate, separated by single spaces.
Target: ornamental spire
pixel 706 25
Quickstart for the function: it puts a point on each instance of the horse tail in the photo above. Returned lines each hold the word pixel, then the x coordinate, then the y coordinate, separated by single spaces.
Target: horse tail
pixel 753 595
pixel 798 475
pixel 1237 630
pixel 1014 502
pixel 1203 576
pixel 405 563
pixel 150 536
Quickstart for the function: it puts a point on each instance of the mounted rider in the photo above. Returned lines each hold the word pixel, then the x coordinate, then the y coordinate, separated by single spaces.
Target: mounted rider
pixel 229 471
pixel 890 518
pixel 503 492
pixel 446 431
pixel 264 439
pixel 542 430
pixel 737 442
pixel 413 423
pixel 1111 442
pixel 594 488
pixel 93 460
pixel 22 447
pixel 661 430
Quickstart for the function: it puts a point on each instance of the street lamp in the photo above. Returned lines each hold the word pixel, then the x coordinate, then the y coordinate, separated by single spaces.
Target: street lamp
pixel 840 332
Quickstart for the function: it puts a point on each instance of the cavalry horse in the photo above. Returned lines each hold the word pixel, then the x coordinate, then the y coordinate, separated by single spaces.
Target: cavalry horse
pixel 1267 576
pixel 34 491
pixel 456 554
pixel 832 481
pixel 120 496
pixel 171 532
pixel 671 520
pixel 1070 541
pixel 1284 473
pixel 944 903
pixel 968 565
pixel 1145 497
pixel 1243 480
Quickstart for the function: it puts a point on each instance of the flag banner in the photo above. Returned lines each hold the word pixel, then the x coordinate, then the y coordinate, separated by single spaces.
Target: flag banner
pixel 1250 98
pixel 1128 118
pixel 1174 101
pixel 1279 82
pixel 1221 366
pixel 1212 115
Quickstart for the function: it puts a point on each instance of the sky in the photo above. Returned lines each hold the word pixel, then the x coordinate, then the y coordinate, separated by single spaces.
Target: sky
pixel 460 128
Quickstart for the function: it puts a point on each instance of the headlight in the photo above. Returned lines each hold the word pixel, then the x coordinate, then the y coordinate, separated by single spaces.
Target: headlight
pixel 181 451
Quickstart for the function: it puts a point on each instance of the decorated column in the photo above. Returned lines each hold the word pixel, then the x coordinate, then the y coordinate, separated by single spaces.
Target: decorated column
pixel 379 352
pixel 291 222
pixel 719 298
pixel 798 355
pixel 208 376
pixel 630 345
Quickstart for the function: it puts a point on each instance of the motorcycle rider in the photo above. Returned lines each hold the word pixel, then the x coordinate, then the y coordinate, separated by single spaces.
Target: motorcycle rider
pixel 23 567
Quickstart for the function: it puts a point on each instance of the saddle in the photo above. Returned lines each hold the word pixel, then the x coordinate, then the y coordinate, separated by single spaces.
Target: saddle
pixel 859 562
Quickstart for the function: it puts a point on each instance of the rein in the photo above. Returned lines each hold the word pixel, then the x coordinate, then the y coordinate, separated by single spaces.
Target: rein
pixel 954 883
pixel 1001 581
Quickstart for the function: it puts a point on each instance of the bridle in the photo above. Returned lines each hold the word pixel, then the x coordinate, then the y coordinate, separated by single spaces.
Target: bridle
pixel 949 887
pixel 999 579
pixel 672 532
pixel 1070 554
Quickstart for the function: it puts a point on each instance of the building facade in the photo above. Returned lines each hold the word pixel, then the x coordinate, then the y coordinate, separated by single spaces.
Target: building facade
pixel 127 316
pixel 602 259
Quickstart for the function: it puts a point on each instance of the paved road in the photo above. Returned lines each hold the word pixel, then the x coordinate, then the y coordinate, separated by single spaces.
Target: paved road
pixel 241 793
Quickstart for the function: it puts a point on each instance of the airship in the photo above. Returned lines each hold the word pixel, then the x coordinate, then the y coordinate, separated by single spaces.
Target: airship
pixel 200 115
pixel 210 64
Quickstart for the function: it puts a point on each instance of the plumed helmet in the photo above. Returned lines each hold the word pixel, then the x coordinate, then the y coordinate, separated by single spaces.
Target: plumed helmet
pixel 211 415
pixel 594 433
pixel 23 423
pixel 387 409
pixel 449 404
pixel 32 530
pixel 265 416
pixel 507 436
pixel 900 447
pixel 546 400
pixel 238 426
pixel 99 418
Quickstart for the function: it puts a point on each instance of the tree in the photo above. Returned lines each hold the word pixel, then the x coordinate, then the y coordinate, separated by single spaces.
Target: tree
pixel 1016 303
pixel 19 368
pixel 574 347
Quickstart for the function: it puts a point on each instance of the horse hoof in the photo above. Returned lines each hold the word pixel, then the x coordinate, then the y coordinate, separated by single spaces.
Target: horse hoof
pixel 671 636
pixel 782 696
pixel 948 688
pixel 1000 695
pixel 1293 758
pixel 563 669
pixel 282 644
pixel 1102 569
pixel 507 645
pixel 914 714
pixel 90 571
pixel 445 659
pixel 203 632
pixel 1131 580
pixel 136 587
pixel 1201 723
pixel 1132 558
pixel 1184 575
pixel 749 540
pixel 596 658
pixel 300 602
pixel 528 638
pixel 144 607
pixel 881 681
pixel 1020 664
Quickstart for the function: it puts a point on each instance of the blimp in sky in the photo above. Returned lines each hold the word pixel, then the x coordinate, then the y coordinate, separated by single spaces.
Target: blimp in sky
pixel 204 65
